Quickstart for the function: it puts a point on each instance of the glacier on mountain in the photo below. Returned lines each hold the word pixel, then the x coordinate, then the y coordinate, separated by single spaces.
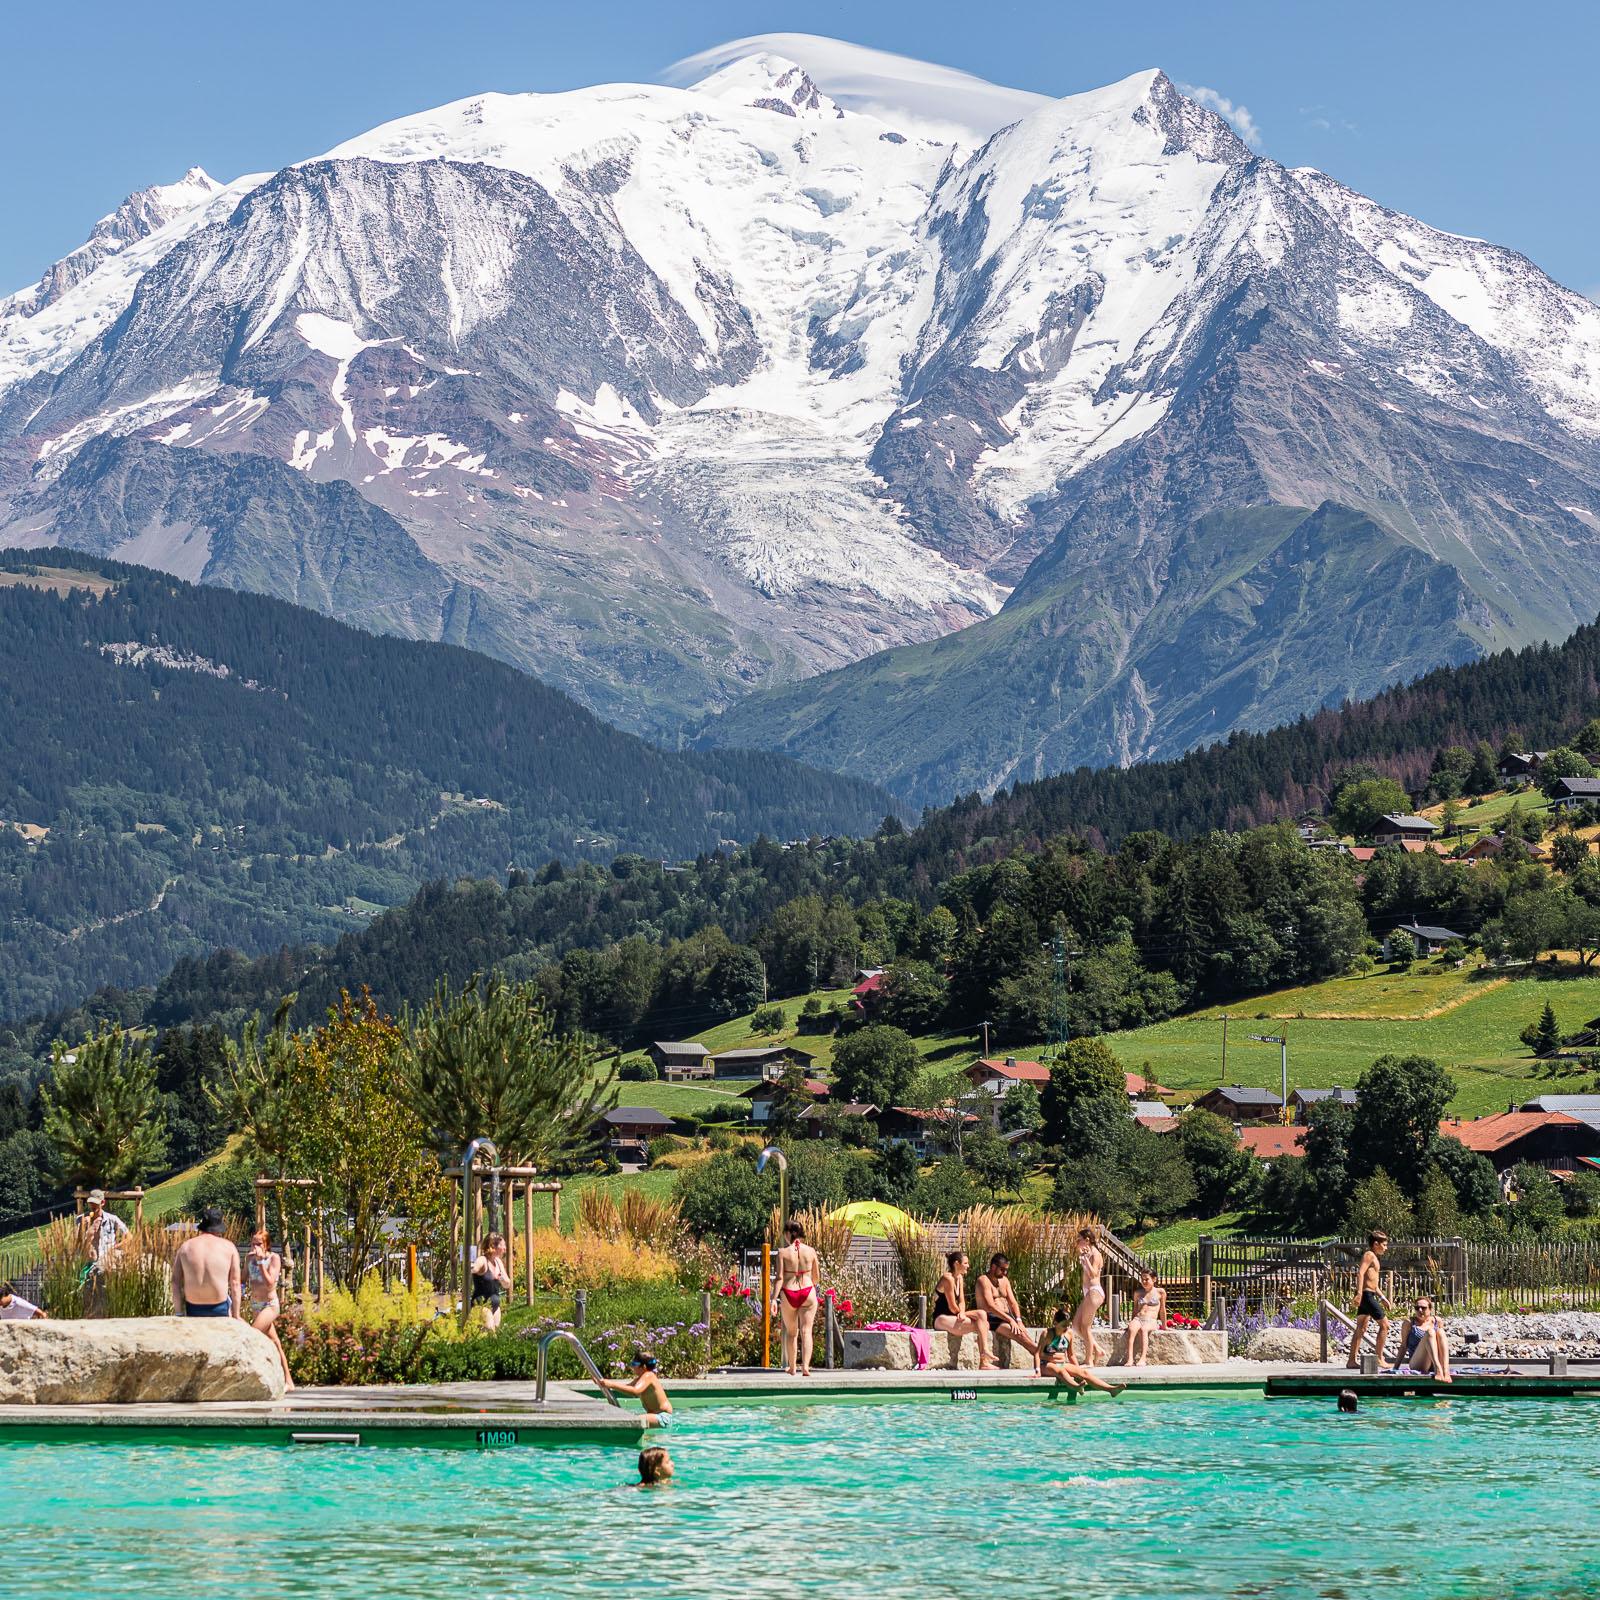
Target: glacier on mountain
pixel 669 392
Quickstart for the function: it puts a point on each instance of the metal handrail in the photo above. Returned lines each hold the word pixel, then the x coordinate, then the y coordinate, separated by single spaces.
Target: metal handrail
pixel 583 1356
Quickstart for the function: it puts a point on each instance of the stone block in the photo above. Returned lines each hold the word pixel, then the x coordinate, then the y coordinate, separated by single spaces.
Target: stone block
pixel 126 1359
pixel 1286 1344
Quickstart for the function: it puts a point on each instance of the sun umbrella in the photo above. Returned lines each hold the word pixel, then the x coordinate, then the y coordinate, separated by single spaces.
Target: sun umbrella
pixel 872 1218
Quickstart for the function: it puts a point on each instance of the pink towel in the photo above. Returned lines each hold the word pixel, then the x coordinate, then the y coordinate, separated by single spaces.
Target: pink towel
pixel 921 1339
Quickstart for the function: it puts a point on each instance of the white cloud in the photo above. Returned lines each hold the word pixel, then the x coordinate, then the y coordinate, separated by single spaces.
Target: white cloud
pixel 1237 117
pixel 1325 121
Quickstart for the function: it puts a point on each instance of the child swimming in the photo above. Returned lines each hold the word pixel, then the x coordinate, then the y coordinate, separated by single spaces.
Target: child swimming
pixel 655 1466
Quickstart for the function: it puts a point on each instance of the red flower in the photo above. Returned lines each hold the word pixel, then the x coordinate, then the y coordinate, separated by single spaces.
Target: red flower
pixel 746 1293
pixel 846 1307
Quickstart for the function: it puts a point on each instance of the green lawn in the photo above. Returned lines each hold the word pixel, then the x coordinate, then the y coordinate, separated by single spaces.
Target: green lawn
pixel 1492 807
pixel 1415 992
pixel 1186 1231
pixel 1476 1040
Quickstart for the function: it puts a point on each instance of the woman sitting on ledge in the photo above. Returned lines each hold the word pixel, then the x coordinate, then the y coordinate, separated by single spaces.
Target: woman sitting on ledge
pixel 1423 1346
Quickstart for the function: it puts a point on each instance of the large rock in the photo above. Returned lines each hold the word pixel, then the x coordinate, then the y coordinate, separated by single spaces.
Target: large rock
pixel 891 1352
pixel 1172 1347
pixel 125 1359
pixel 1284 1344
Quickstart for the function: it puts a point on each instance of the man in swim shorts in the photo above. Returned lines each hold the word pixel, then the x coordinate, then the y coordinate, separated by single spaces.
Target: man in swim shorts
pixel 1370 1300
pixel 997 1300
pixel 205 1272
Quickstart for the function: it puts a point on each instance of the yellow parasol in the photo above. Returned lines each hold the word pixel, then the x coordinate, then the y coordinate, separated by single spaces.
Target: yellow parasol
pixel 872 1218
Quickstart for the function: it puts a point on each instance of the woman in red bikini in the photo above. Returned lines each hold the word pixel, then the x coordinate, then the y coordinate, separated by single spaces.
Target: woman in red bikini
pixel 796 1299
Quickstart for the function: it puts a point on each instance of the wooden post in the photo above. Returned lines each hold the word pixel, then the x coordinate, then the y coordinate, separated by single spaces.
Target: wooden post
pixel 527 1237
pixel 510 1225
pixel 1207 1261
pixel 322 1276
pixel 580 1309
pixel 455 1242
pixel 829 1332
pixel 1322 1326
pixel 305 1269
pixel 555 1208
pixel 922 1311
pixel 411 1268
pixel 138 1207
pixel 766 1302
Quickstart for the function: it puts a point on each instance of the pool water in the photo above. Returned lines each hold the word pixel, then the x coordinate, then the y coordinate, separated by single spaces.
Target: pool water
pixel 1185 1495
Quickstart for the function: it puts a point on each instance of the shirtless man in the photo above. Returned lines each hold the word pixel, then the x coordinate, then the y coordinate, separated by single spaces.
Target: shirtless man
pixel 205 1272
pixel 997 1300
pixel 795 1298
pixel 1370 1300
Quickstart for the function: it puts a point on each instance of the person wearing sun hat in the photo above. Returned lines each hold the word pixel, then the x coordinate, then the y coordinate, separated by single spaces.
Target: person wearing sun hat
pixel 100 1236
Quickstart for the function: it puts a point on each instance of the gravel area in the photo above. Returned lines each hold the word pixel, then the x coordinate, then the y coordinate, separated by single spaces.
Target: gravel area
pixel 1530 1336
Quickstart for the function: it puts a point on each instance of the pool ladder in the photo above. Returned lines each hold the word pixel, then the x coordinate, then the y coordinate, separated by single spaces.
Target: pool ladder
pixel 583 1356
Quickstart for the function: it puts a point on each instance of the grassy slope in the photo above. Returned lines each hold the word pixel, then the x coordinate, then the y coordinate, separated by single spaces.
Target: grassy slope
pixel 1476 1038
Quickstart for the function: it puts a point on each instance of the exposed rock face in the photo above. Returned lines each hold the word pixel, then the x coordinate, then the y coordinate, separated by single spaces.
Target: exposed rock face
pixel 1284 1344
pixel 128 1359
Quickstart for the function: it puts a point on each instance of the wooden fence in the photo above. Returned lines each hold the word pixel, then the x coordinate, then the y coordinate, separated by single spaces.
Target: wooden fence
pixel 1558 1274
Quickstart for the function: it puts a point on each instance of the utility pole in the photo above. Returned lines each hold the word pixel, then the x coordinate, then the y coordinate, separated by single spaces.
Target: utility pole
pixel 1060 993
pixel 985 1026
pixel 1224 1046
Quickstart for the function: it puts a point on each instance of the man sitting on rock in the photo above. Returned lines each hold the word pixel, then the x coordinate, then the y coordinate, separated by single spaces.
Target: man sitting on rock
pixel 997 1300
pixel 205 1272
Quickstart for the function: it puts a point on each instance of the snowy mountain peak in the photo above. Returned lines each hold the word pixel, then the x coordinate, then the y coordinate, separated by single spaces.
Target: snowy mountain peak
pixel 769 82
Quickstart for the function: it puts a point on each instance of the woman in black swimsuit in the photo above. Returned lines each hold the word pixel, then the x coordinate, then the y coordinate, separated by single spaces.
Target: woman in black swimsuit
pixel 491 1279
pixel 950 1314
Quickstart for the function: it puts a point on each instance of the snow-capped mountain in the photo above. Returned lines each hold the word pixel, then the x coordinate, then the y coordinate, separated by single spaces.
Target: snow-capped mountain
pixel 674 393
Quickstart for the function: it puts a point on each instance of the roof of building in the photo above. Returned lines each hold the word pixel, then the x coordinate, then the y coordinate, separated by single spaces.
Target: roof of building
pixel 765 1091
pixel 1345 1097
pixel 637 1117
pixel 1492 1133
pixel 1363 852
pixel 764 1052
pixel 1589 788
pixel 1239 1095
pixel 1164 1123
pixel 679 1047
pixel 1414 823
pixel 845 1108
pixel 1136 1085
pixel 870 984
pixel 1272 1141
pixel 1572 1104
pixel 1010 1067
pixel 923 1114
pixel 1146 1110
pixel 1425 930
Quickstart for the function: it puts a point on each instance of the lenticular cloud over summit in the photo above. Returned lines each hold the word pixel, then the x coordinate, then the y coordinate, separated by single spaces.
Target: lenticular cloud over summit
pixel 937 102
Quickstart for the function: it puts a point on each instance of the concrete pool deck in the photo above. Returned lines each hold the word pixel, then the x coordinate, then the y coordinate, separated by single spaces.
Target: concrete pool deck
pixel 495 1415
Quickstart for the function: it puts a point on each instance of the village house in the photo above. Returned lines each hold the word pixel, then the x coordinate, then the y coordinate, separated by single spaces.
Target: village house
pixel 1520 767
pixel 763 1095
pixel 1575 792
pixel 1397 829
pixel 1270 1143
pixel 1137 1087
pixel 868 991
pixel 1427 939
pixel 1153 1115
pixel 630 1129
pixel 677 1060
pixel 1235 1103
pixel 1302 1100
pixel 819 1120
pixel 997 1076
pixel 1555 1140
pixel 762 1061
pixel 928 1133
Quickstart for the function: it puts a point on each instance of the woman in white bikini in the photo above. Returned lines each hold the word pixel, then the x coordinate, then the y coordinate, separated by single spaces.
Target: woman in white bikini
pixel 950 1314
pixel 796 1299
pixel 263 1267
pixel 1149 1312
pixel 1092 1264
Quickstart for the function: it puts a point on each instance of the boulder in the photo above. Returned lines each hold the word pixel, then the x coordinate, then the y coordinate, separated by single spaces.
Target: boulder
pixel 125 1359
pixel 891 1352
pixel 1284 1344
pixel 1172 1347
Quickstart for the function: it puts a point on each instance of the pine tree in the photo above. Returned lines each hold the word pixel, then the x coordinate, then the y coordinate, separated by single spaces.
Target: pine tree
pixel 103 1112
pixel 1547 1036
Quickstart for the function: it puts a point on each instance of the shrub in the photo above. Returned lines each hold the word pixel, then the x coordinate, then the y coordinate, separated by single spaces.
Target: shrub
pixel 566 1262
pixel 638 1069
pixel 668 1144
pixel 768 1019
pixel 230 1186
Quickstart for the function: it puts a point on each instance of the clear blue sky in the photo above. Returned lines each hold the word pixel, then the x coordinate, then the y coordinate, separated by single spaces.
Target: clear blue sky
pixel 1477 117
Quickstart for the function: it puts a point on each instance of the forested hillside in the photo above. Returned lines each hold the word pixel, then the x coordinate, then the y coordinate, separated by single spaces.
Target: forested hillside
pixel 185 768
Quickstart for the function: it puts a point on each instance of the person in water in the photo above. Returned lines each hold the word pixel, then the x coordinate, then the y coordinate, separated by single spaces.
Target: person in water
pixel 491 1279
pixel 655 1466
pixel 1056 1355
pixel 646 1387
pixel 795 1299
pixel 1423 1346
pixel 1091 1265
pixel 950 1314
pixel 997 1300
pixel 263 1269
pixel 1371 1302
pixel 1149 1312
